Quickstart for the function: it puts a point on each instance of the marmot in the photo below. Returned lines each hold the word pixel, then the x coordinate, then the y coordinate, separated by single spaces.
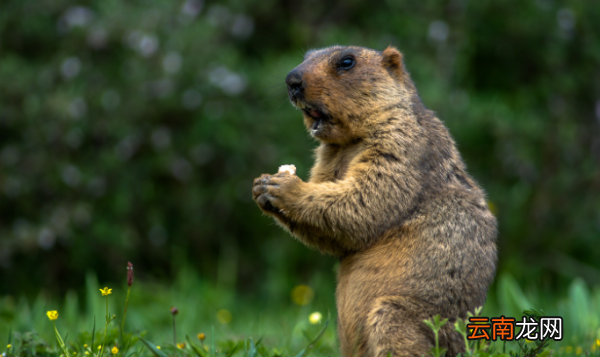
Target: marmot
pixel 389 196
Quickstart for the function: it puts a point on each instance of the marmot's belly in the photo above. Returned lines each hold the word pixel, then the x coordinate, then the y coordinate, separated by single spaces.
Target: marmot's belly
pixel 363 277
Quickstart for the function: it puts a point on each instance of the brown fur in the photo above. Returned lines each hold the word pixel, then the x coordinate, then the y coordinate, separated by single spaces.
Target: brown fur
pixel 389 196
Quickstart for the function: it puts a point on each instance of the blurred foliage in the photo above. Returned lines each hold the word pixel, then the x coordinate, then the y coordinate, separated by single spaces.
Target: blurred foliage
pixel 132 130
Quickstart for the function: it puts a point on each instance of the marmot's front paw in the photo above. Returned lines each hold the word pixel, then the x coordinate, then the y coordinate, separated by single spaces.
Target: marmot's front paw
pixel 271 192
pixel 261 195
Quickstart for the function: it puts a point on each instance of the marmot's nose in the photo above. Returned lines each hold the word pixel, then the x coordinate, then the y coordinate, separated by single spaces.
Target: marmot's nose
pixel 294 82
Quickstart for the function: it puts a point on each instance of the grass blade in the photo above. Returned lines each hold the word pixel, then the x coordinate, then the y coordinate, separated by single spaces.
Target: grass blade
pixel 306 336
pixel 153 349
pixel 93 334
pixel 213 349
pixel 127 346
pixel 312 344
pixel 198 351
pixel 139 352
pixel 234 349
pixel 252 351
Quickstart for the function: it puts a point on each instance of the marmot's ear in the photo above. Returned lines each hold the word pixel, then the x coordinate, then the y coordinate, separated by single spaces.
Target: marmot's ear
pixel 392 61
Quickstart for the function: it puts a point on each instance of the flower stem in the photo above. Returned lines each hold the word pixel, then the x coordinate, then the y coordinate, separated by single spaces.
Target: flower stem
pixel 174 332
pixel 60 341
pixel 105 328
pixel 125 313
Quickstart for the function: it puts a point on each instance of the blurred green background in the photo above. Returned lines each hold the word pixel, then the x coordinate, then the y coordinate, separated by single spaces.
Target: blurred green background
pixel 132 131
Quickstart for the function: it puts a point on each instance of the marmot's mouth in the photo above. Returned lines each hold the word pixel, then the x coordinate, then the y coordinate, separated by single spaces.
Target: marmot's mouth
pixel 319 117
pixel 316 113
pixel 312 111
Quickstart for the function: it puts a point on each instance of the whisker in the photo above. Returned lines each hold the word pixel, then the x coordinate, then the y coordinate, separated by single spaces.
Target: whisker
pixel 282 103
pixel 276 85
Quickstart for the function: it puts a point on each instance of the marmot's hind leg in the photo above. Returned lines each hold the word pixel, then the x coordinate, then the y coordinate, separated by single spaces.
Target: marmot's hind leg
pixel 394 327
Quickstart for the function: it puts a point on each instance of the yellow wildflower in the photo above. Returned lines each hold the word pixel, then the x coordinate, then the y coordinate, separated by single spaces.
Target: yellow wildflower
pixel 85 345
pixel 52 315
pixel 315 318
pixel 181 345
pixel 201 336
pixel 569 350
pixel 114 350
pixel 598 342
pixel 87 353
pixel 579 350
pixel 224 316
pixel 99 347
pixel 302 294
pixel 106 291
pixel 492 207
pixel 158 347
pixel 8 346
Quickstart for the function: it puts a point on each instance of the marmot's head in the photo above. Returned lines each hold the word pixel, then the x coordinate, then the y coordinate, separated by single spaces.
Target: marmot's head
pixel 341 90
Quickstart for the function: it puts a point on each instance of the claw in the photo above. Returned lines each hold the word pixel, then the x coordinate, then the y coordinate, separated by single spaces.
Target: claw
pixel 264 201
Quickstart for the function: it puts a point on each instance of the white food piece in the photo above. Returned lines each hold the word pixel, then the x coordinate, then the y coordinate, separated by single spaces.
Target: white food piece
pixel 291 169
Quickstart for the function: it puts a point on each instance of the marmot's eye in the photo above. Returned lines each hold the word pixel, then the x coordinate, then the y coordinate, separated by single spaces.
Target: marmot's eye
pixel 347 62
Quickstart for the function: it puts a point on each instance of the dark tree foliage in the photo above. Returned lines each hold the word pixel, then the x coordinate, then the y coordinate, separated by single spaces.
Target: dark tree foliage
pixel 132 130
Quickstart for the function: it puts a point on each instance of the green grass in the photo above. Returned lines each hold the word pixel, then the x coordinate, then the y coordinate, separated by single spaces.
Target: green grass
pixel 247 326
pixel 202 307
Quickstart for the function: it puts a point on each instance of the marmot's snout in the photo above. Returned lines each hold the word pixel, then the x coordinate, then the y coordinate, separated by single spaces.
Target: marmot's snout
pixel 295 85
pixel 296 91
